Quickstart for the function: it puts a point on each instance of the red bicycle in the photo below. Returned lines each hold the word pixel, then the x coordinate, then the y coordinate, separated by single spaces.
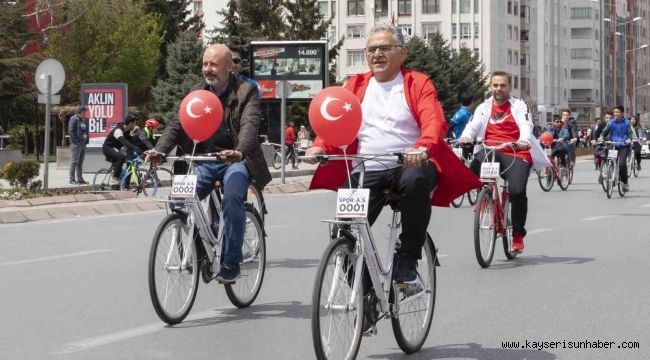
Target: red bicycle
pixel 554 172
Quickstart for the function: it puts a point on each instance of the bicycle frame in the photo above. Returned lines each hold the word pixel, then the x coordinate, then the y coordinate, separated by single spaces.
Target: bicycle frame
pixel 498 200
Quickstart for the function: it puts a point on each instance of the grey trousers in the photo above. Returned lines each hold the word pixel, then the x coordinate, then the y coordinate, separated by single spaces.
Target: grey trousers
pixel 76 163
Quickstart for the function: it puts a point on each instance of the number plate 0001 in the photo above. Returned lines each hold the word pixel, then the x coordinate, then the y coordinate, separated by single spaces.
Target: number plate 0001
pixel 458 152
pixel 489 170
pixel 612 154
pixel 352 203
pixel 184 186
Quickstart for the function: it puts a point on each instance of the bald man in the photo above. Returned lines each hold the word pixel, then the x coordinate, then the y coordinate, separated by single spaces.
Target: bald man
pixel 236 140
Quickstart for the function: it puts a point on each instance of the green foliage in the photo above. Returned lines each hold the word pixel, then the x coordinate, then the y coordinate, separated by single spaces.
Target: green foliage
pixel 306 23
pixel 17 92
pixel 452 73
pixel 183 69
pixel 111 41
pixel 20 172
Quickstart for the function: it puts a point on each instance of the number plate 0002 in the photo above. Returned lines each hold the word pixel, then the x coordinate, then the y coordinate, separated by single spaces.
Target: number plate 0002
pixel 184 186
pixel 352 203
pixel 489 170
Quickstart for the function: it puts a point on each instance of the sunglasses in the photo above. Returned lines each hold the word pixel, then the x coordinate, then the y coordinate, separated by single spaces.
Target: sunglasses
pixel 236 60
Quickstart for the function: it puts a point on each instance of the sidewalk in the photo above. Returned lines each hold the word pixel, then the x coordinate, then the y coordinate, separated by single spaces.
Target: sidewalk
pixel 115 202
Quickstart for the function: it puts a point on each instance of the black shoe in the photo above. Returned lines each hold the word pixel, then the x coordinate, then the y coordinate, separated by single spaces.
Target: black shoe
pixel 228 273
pixel 406 269
pixel 638 167
pixel 72 182
pixel 82 182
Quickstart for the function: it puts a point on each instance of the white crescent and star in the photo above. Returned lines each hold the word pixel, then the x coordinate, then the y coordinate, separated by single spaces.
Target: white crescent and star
pixel 326 115
pixel 188 107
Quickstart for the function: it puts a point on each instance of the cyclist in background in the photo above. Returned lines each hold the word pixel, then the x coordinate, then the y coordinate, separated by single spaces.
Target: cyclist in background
pixel 638 131
pixel 458 122
pixel 571 126
pixel 503 118
pixel 560 147
pixel 118 144
pixel 619 130
pixel 150 128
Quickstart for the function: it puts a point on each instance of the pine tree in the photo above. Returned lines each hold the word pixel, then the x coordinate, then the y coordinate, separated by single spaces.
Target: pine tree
pixel 183 67
pixel 304 21
pixel 17 94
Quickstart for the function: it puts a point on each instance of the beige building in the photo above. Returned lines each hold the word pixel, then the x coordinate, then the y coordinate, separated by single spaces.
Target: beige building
pixel 641 104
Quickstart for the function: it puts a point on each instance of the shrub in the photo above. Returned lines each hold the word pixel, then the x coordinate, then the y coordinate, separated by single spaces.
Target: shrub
pixel 21 172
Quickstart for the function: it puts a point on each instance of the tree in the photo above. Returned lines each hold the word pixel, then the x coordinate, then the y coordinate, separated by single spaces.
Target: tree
pixel 174 18
pixel 304 21
pixel 111 41
pixel 17 90
pixel 452 73
pixel 183 68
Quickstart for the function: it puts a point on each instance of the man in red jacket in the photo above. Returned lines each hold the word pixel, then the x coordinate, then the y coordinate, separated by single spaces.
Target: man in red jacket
pixel 401 112
pixel 289 142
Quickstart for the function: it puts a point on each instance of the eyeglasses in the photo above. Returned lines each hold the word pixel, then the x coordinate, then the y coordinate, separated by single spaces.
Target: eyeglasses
pixel 382 48
pixel 236 60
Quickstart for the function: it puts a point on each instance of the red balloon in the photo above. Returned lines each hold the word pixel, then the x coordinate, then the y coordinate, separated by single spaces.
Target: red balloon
pixel 546 138
pixel 335 115
pixel 201 114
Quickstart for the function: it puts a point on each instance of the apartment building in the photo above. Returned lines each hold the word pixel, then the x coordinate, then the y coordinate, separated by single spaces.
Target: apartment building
pixel 641 86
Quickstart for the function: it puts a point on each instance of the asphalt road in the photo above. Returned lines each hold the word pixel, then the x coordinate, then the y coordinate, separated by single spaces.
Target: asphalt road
pixel 77 289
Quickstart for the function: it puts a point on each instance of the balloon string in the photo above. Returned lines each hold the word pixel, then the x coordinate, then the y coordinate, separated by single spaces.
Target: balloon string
pixel 347 166
pixel 192 158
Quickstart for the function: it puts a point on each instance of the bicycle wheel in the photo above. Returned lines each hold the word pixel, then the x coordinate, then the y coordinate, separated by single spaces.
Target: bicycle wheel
pixel 611 178
pixel 255 198
pixel 545 178
pixel 604 175
pixel 101 180
pixel 457 202
pixel 635 170
pixel 144 184
pixel 413 308
pixel 571 174
pixel 173 270
pixel 337 319
pixel 563 177
pixel 507 232
pixel 484 228
pixel 243 292
pixel 471 196
pixel 277 160
pixel 164 178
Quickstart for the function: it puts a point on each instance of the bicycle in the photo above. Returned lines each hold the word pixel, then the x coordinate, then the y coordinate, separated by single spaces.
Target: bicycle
pixel 554 172
pixel 492 216
pixel 632 169
pixel 277 155
pixel 610 173
pixel 186 245
pixel 133 178
pixel 345 301
pixel 472 194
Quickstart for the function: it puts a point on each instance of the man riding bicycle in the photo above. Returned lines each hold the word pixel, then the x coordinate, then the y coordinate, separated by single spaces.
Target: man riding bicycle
pixel 620 131
pixel 459 121
pixel 500 119
pixel 401 112
pixel 235 140
pixel 118 145
pixel 560 147
pixel 572 127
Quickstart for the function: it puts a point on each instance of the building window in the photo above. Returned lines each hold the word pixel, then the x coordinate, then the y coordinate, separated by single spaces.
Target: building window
pixel 515 59
pixel 524 35
pixel 581 53
pixel 581 13
pixel 404 7
pixel 407 28
pixel 525 84
pixel 454 31
pixel 516 82
pixel 323 8
pixel 515 34
pixel 476 6
pixel 509 7
pixel 428 29
pixel 465 32
pixel 381 7
pixel 333 8
pixel 515 9
pixel 465 6
pixel 356 31
pixel 477 52
pixel 333 33
pixel 356 8
pixel 430 6
pixel 477 28
pixel 198 6
pixel 453 6
pixel 509 57
pixel 509 32
pixel 355 58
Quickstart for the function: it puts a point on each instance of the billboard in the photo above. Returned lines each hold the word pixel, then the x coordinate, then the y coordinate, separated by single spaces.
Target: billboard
pixel 107 106
pixel 304 64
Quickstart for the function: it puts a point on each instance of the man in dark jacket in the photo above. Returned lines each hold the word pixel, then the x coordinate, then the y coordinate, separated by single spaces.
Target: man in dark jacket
pixel 119 145
pixel 78 131
pixel 235 140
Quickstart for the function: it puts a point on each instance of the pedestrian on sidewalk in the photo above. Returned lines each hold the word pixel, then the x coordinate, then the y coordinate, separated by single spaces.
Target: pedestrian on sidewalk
pixel 290 141
pixel 78 131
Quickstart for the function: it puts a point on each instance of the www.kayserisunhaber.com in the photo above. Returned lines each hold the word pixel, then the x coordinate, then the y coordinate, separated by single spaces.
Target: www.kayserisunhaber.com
pixel 565 344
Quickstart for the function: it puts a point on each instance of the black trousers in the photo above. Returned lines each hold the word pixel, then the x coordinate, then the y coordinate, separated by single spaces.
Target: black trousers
pixel 560 152
pixel 117 157
pixel 292 153
pixel 622 164
pixel 516 171
pixel 414 184
pixel 637 152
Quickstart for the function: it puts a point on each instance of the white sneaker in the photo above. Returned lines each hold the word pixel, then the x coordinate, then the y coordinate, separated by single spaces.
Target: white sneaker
pixel 114 181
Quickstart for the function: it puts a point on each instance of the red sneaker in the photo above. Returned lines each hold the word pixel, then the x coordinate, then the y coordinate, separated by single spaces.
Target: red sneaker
pixel 517 243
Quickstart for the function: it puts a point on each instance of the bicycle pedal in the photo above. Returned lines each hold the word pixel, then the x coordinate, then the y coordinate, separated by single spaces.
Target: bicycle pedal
pixel 370 332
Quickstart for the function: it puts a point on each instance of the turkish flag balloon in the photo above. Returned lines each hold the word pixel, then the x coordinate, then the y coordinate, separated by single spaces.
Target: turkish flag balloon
pixel 335 116
pixel 201 114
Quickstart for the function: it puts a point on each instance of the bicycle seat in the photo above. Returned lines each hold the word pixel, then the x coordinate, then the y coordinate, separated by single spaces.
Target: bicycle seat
pixel 391 197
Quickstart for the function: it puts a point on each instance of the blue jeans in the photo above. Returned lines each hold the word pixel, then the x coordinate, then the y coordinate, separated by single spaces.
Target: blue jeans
pixel 235 180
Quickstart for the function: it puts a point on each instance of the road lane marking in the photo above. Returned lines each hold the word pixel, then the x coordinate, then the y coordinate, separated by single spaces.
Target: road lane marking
pixel 594 218
pixel 538 231
pixel 646 206
pixel 106 339
pixel 56 257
